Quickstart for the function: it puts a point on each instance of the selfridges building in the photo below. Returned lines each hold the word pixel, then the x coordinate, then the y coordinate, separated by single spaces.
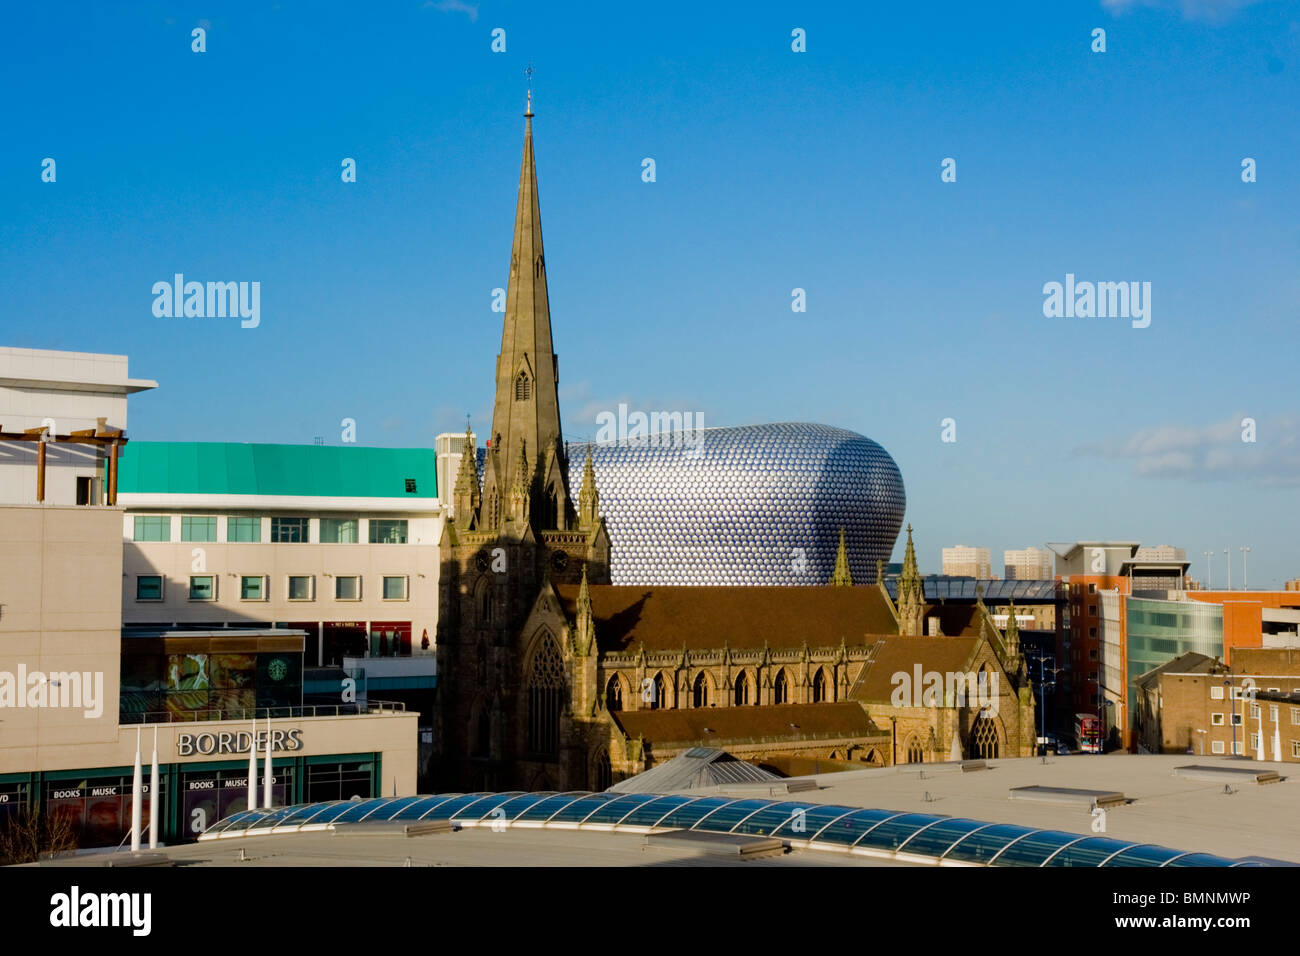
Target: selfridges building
pixel 748 505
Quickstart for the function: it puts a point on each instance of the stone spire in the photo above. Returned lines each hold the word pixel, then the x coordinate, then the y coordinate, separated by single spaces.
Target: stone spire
pixel 585 622
pixel 527 406
pixel 1012 630
pixel 841 577
pixel 466 497
pixel 588 497
pixel 911 595
pixel 519 491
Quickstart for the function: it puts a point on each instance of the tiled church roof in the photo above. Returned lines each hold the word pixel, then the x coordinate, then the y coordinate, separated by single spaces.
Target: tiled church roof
pixel 709 726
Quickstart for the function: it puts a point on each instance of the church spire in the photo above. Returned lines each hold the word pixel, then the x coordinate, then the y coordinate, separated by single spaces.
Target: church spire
pixel 911 594
pixel 527 406
pixel 466 496
pixel 588 496
pixel 841 577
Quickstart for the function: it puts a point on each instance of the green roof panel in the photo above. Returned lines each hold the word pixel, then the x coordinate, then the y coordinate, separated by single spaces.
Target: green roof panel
pixel 228 468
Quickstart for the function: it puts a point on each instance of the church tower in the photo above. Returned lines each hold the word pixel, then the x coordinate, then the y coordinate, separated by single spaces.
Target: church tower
pixel 509 541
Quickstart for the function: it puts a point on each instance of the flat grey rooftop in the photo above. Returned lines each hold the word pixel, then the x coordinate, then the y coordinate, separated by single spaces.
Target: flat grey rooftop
pixel 1173 811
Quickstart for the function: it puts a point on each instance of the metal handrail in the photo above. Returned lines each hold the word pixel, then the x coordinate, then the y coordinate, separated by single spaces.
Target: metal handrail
pixel 262 713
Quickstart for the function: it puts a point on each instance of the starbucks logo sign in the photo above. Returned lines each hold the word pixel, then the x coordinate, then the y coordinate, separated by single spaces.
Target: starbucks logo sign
pixel 277 669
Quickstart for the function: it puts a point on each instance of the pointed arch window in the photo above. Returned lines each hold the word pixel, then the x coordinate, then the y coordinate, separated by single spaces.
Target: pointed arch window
pixel 523 387
pixel 484 602
pixel 539 266
pixel 914 752
pixel 602 776
pixel 545 698
pixel 742 690
pixel 820 688
pixel 700 691
pixel 780 689
pixel 983 739
pixel 614 694
pixel 658 695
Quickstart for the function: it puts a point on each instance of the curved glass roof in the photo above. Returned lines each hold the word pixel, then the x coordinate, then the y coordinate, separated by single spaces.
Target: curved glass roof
pixel 873 832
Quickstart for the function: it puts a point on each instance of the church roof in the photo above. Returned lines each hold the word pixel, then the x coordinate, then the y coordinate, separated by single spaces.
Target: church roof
pixel 716 726
pixel 697 767
pixel 669 618
pixel 897 655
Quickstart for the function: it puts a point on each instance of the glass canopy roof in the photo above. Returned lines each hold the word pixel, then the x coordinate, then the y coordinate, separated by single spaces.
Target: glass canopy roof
pixel 869 831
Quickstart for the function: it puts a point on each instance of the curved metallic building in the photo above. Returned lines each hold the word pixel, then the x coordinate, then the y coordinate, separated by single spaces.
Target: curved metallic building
pixel 749 505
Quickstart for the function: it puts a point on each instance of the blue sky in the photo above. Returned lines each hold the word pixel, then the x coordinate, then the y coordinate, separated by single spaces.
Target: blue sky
pixel 775 170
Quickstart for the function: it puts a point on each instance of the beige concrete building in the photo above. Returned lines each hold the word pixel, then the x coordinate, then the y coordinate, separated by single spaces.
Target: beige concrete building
pixel 1028 564
pixel 967 562
pixel 76 689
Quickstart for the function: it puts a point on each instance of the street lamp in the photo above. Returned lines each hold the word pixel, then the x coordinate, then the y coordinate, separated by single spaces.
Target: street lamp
pixel 1245 550
pixel 1228 552
pixel 1209 569
pixel 1202 733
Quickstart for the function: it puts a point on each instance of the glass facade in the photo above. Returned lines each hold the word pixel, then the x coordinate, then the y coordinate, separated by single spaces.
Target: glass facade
pixel 195 528
pixel 153 528
pixel 338 530
pixel 206 686
pixel 240 529
pixel 1159 631
pixel 289 530
pixel 388 530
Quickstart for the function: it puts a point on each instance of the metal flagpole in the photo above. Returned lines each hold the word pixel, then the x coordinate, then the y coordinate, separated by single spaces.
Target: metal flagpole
pixel 266 792
pixel 137 793
pixel 153 795
pixel 252 766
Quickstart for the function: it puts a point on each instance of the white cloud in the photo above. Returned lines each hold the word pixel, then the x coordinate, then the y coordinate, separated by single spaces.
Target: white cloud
pixel 1212 452
pixel 454 6
pixel 1212 10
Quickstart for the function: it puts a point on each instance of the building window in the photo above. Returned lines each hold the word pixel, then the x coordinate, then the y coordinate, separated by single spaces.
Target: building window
pixel 153 528
pixel 301 587
pixel 602 773
pixel 614 694
pixel 196 528
pixel 1092 610
pixel 252 587
pixel 1272 712
pixel 85 486
pixel 1295 748
pixel 523 387
pixel 1216 692
pixel 914 752
pixel 149 587
pixel 700 691
pixel 1092 654
pixel 388 531
pixel 339 530
pixel 545 698
pixel 1236 720
pixel 244 529
pixel 742 690
pixel 1216 747
pixel 203 587
pixel 289 530
pixel 1092 589
pixel 394 587
pixel 1216 720
pixel 819 687
pixel 347 587
pixel 1254 741
pixel 1254 710
pixel 658 693
pixel 780 689
pixel 1238 747
pixel 983 739
pixel 1092 632
pixel 1295 715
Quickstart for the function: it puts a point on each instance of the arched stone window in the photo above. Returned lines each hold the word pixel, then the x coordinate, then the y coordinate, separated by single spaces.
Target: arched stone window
pixel 700 691
pixel 914 753
pixel 820 686
pixel 483 602
pixel 545 698
pixel 602 776
pixel 742 690
pixel 614 694
pixel 780 689
pixel 523 387
pixel 983 739
pixel 659 694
